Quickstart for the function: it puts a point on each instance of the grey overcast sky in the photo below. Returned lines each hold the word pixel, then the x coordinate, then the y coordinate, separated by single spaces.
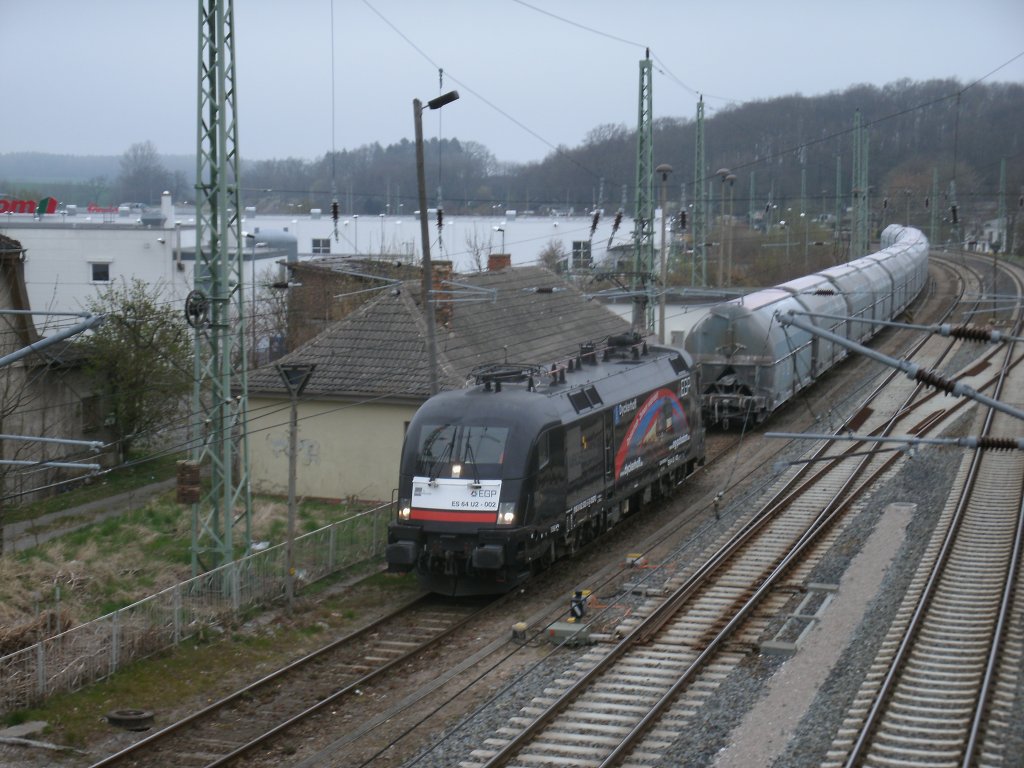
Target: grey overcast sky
pixel 93 77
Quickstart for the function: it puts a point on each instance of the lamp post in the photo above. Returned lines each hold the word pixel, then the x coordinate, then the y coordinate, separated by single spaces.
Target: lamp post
pixel 786 225
pixel 355 222
pixel 417 110
pixel 382 234
pixel 803 218
pixel 295 377
pixel 502 230
pixel 664 169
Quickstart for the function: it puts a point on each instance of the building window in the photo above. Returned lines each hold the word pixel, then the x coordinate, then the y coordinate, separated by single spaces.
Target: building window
pixel 100 272
pixel 321 245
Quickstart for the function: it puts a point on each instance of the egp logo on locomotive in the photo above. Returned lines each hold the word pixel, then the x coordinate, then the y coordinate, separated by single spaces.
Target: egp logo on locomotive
pixel 442 493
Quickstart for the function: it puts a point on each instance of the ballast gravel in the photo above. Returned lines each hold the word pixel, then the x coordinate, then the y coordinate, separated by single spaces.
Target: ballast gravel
pixel 818 701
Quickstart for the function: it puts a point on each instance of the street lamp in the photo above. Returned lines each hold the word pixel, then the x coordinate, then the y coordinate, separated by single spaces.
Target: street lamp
pixel 502 230
pixel 803 215
pixel 295 377
pixel 785 226
pixel 664 169
pixel 417 111
pixel 382 234
pixel 355 221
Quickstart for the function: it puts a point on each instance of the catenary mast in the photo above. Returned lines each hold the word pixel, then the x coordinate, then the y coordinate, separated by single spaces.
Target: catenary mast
pixel 643 224
pixel 215 307
pixel 699 219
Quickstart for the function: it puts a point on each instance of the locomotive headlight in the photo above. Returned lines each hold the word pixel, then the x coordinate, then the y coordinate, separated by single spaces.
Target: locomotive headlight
pixel 456 470
pixel 404 509
pixel 506 513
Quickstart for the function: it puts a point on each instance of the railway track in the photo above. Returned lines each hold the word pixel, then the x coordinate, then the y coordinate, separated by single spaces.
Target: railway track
pixel 942 688
pixel 685 641
pixel 626 705
pixel 332 676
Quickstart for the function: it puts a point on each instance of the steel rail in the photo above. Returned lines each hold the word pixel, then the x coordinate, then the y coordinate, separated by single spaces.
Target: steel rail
pixel 646 630
pixel 857 753
pixel 838 504
pixel 132 752
pixel 1002 620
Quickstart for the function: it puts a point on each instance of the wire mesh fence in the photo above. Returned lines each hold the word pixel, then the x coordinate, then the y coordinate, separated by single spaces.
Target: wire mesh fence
pixel 99 648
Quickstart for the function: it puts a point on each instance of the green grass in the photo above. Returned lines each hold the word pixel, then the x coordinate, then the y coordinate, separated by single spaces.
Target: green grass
pixel 208 667
pixel 133 555
pixel 110 484
pixel 153 684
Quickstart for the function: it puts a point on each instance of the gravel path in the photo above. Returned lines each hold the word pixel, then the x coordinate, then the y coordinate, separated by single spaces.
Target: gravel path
pixel 770 724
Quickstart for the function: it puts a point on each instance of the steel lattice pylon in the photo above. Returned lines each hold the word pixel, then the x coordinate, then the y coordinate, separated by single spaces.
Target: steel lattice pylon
pixel 698 222
pixel 215 307
pixel 643 227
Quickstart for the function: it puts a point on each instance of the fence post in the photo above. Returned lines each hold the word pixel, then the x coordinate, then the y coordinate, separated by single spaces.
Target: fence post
pixel 41 669
pixel 115 641
pixel 236 597
pixel 176 609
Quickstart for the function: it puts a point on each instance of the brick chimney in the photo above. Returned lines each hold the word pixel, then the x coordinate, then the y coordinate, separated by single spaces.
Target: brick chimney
pixel 498 261
pixel 443 307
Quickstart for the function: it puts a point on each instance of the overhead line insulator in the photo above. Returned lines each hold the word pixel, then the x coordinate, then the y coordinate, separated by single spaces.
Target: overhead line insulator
pixel 972 333
pixel 933 379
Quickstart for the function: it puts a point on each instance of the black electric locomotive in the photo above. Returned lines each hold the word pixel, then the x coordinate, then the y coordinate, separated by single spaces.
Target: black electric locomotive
pixel 501 479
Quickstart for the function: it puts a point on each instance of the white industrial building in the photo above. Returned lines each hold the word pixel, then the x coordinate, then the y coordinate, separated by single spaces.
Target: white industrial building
pixel 73 254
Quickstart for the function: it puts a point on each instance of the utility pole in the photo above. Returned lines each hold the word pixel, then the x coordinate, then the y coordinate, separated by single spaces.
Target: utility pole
pixel 295 377
pixel 216 307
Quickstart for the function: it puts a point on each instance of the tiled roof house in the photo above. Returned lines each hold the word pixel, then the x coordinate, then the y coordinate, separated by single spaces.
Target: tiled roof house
pixel 372 373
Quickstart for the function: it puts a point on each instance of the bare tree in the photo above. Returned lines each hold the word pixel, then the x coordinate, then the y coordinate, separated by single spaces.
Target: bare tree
pixel 476 247
pixel 554 256
pixel 143 176
pixel 269 317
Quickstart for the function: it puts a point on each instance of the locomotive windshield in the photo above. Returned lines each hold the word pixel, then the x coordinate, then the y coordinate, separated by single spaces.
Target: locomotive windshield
pixel 453 450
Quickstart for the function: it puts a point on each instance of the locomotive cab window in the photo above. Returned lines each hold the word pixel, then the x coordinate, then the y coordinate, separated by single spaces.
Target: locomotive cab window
pixel 544 450
pixel 446 449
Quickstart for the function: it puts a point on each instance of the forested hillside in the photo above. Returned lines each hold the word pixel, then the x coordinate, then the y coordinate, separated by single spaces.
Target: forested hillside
pixel 782 149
